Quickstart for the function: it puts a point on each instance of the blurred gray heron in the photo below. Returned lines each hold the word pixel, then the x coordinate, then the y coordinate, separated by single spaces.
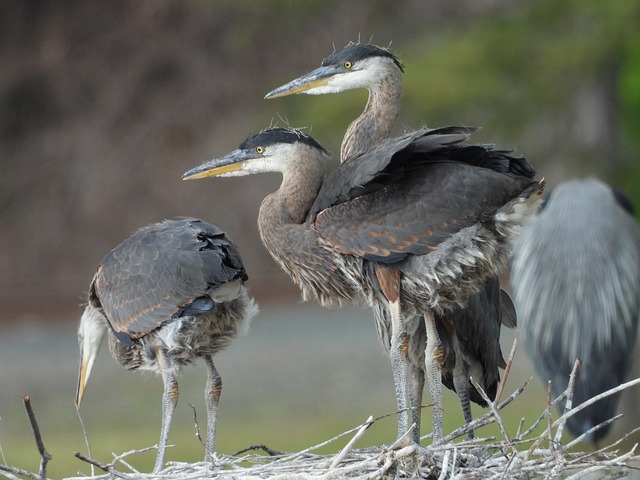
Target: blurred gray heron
pixel 576 284
pixel 413 230
pixel 171 293
pixel 470 335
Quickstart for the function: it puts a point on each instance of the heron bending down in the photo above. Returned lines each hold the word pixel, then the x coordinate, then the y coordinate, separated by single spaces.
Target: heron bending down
pixel 171 293
pixel 576 281
pixel 470 335
pixel 413 230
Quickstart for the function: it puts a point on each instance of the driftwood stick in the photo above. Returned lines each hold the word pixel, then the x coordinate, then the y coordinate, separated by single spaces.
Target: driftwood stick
pixel 44 455
pixel 102 466
pixel 507 369
pixel 402 438
pixel 338 458
pixel 569 402
pixel 444 468
pixel 261 446
pixel 10 472
pixel 549 412
pixel 593 429
pixel 494 410
pixel 597 398
pixel 620 440
pixel 483 420
pixel 120 458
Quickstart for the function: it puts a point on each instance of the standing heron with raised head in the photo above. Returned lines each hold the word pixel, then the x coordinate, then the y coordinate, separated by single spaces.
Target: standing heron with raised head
pixel 171 293
pixel 413 230
pixel 470 335
pixel 576 284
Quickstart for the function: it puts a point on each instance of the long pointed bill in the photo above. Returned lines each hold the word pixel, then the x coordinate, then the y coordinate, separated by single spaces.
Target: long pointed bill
pixel 91 332
pixel 307 83
pixel 223 166
pixel 86 364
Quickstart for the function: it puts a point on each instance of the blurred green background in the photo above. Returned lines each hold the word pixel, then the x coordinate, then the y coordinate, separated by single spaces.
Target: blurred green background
pixel 103 105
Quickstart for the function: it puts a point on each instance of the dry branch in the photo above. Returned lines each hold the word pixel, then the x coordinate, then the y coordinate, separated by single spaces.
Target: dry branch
pixel 520 455
pixel 489 458
pixel 44 455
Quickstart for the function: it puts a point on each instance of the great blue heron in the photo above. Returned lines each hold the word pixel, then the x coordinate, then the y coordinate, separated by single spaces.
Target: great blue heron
pixel 413 230
pixel 576 283
pixel 171 293
pixel 472 334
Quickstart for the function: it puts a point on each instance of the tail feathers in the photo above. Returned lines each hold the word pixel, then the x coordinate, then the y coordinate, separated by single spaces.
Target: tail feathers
pixel 521 212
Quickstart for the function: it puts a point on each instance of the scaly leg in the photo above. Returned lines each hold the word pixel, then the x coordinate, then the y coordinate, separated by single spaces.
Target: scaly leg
pixel 415 399
pixel 169 401
pixel 212 396
pixel 434 376
pixel 389 280
pixel 399 364
pixel 461 384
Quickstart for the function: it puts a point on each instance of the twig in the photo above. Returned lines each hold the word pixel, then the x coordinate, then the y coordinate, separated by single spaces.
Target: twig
pixel 507 369
pixel 601 425
pixel 569 395
pixel 534 425
pixel 520 425
pixel 445 465
pixel 400 440
pixel 120 458
pixel 107 467
pixel 495 411
pixel 595 399
pixel 18 471
pixel 338 458
pixel 86 439
pixel 483 420
pixel 263 447
pixel 44 455
pixel 301 453
pixel 379 473
pixel 549 413
pixel 195 421
pixel 620 440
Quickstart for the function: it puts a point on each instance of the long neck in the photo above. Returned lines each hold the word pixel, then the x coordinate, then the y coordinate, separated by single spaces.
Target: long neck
pixel 300 184
pixel 293 242
pixel 376 121
pixel 287 208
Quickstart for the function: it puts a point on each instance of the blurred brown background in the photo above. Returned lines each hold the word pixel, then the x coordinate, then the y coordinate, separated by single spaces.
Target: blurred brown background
pixel 103 105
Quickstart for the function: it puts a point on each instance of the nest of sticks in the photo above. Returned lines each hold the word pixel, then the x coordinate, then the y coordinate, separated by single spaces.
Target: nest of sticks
pixel 527 453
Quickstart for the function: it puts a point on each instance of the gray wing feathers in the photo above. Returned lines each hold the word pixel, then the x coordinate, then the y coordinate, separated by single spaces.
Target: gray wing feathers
pixel 161 270
pixel 348 180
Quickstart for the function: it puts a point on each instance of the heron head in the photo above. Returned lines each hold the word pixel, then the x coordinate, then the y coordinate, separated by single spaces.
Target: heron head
pixel 357 65
pixel 272 150
pixel 91 332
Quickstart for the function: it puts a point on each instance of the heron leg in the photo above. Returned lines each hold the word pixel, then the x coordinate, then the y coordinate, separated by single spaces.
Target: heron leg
pixel 169 402
pixel 212 396
pixel 415 399
pixel 461 384
pixel 389 280
pixel 399 363
pixel 433 352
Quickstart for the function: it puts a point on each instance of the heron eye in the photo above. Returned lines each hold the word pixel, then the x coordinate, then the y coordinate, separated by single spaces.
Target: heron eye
pixel 260 150
pixel 347 65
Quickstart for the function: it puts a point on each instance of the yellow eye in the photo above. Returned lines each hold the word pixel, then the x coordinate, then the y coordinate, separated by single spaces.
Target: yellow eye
pixel 347 65
pixel 260 150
